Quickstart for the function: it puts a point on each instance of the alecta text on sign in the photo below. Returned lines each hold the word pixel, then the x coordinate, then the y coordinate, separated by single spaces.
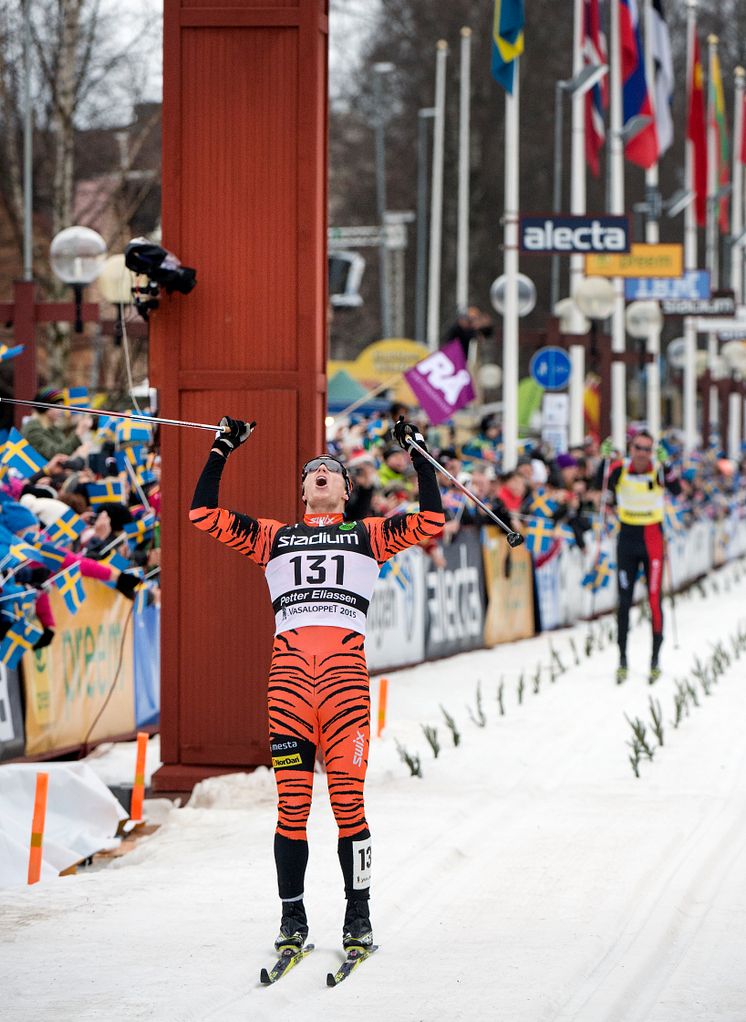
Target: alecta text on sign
pixel 569 234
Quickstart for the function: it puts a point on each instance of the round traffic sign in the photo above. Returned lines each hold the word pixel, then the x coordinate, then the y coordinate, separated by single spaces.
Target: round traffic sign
pixel 550 367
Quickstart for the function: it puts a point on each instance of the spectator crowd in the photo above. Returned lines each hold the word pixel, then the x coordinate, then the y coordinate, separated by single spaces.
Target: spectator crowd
pixel 79 499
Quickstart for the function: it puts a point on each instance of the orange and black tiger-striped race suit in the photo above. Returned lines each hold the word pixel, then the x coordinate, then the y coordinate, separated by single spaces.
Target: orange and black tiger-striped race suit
pixel 321 573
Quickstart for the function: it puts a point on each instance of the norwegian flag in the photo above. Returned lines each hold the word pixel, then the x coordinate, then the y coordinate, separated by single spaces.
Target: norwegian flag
pixel 597 98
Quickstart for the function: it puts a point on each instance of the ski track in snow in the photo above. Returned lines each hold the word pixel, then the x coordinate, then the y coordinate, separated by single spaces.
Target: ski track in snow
pixel 528 876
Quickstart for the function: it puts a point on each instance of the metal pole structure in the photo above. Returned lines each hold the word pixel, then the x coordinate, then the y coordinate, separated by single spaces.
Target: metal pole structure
pixel 462 236
pixel 102 412
pixel 690 256
pixel 736 229
pixel 616 159
pixel 554 291
pixel 734 425
pixel 28 135
pixel 436 198
pixel 510 314
pixel 577 208
pixel 421 282
pixel 652 237
pixel 712 232
pixel 383 251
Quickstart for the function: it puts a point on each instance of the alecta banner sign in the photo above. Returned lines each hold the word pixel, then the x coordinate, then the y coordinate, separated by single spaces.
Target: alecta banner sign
pixel 567 235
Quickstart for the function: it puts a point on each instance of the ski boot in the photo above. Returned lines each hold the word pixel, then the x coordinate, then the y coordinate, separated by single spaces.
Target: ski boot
pixel 621 671
pixel 655 673
pixel 356 930
pixel 293 926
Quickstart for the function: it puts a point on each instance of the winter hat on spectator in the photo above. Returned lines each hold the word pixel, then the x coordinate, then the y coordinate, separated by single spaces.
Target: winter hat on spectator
pixel 39 491
pixel 539 471
pixel 119 515
pixel 359 456
pixel 46 509
pixel 566 461
pixel 16 518
pixel 50 396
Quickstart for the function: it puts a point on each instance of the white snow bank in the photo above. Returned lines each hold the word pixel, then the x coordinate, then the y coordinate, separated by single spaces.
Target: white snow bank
pixel 114 762
pixel 82 818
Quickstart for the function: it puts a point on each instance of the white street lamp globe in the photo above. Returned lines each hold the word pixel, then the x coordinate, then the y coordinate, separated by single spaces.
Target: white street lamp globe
pixel 719 368
pixel 701 361
pixel 734 353
pixel 115 281
pixel 595 297
pixel 490 376
pixel 77 255
pixel 571 319
pixel 676 353
pixel 526 294
pixel 643 319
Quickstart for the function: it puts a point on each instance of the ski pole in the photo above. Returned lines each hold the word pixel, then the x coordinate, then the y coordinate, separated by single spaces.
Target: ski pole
pixel 514 538
pixel 671 594
pixel 117 415
pixel 602 523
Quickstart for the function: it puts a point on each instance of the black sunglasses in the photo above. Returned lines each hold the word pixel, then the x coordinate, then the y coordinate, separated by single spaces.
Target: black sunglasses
pixel 330 463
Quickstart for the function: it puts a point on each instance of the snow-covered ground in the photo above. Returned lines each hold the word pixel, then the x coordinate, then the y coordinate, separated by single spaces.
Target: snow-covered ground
pixel 528 875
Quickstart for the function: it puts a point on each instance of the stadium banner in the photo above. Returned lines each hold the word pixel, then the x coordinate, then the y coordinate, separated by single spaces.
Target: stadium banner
pixel 147 647
pixel 396 619
pixel 12 739
pixel 68 682
pixel 456 598
pixel 510 589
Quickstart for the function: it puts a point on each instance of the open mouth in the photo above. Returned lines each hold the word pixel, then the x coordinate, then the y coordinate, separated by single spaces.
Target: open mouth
pixel 321 481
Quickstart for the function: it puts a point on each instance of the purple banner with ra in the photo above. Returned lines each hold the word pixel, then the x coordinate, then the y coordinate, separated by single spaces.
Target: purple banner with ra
pixel 441 382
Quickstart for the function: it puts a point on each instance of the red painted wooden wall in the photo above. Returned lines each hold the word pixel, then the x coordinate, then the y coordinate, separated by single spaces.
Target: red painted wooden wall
pixel 244 201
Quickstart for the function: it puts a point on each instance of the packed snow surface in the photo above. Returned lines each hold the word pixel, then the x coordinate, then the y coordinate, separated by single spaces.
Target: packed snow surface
pixel 528 875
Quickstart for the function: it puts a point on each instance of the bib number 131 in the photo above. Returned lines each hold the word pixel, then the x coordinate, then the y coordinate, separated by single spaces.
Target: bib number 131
pixel 312 569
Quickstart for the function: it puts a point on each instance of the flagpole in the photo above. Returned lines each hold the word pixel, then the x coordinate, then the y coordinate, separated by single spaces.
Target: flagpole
pixel 577 208
pixel 462 241
pixel 436 198
pixel 712 231
pixel 616 204
pixel 510 314
pixel 735 422
pixel 652 237
pixel 691 257
pixel 736 259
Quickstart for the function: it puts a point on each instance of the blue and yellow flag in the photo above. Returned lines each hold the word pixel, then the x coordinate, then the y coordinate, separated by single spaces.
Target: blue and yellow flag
pixel 600 574
pixel 106 429
pixel 70 584
pixel 50 556
pixel 133 456
pixel 19 639
pixel 507 40
pixel 19 552
pixel 6 353
pixel 539 535
pixel 67 529
pixel 133 431
pixel 108 491
pixel 21 456
pixel 75 397
pixel 140 527
pixel 543 504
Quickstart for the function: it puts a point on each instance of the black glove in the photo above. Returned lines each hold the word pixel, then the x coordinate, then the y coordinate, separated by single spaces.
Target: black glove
pixel 126 584
pixel 232 433
pixel 33 576
pixel 401 431
pixel 44 639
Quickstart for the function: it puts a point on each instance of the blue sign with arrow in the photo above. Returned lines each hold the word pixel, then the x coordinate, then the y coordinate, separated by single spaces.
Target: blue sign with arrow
pixel 550 367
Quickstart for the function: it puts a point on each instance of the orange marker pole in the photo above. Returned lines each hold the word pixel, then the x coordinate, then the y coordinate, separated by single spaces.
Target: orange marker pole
pixel 138 788
pixel 383 691
pixel 37 827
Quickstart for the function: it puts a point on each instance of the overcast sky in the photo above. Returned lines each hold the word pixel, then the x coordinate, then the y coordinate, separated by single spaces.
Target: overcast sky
pixel 349 23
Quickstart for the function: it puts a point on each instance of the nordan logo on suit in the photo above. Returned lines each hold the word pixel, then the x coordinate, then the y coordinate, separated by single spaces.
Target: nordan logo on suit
pixel 567 235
